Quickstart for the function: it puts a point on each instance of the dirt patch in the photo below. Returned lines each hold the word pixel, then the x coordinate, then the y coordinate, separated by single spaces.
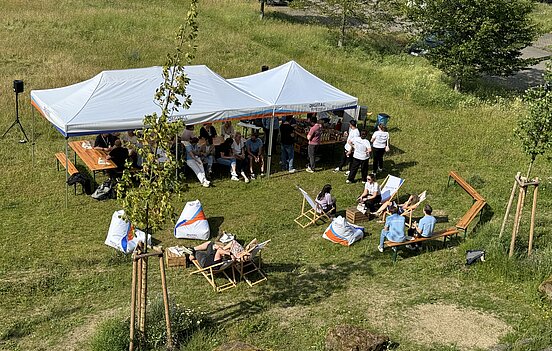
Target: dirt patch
pixel 451 324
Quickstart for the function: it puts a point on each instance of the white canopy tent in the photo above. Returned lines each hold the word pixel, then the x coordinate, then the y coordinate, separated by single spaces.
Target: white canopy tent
pixel 290 89
pixel 118 100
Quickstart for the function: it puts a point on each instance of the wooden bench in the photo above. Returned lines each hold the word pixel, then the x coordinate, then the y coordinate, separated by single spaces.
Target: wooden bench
pixel 468 217
pixel 445 233
pixel 465 185
pixel 353 215
pixel 71 169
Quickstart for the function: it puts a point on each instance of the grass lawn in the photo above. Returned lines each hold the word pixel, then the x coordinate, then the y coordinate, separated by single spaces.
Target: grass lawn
pixel 58 280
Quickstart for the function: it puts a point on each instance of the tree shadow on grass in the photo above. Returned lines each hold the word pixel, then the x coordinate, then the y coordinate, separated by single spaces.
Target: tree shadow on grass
pixel 214 225
pixel 307 285
pixel 390 167
pixel 302 17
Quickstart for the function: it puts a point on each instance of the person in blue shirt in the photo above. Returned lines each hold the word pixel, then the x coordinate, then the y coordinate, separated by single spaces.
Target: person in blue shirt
pixel 426 225
pixel 255 153
pixel 393 229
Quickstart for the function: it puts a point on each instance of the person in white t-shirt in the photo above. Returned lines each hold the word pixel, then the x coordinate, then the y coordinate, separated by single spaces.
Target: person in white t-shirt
pixel 380 144
pixel 346 157
pixel 361 154
pixel 371 196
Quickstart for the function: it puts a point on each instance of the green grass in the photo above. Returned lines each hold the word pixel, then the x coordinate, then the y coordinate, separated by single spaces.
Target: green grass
pixel 58 280
pixel 542 15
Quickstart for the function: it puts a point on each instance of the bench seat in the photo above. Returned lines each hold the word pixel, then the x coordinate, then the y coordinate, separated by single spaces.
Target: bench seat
pixel 466 186
pixel 63 161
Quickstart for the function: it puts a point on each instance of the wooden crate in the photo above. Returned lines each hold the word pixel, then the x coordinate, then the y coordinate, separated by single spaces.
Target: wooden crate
pixel 354 216
pixel 173 260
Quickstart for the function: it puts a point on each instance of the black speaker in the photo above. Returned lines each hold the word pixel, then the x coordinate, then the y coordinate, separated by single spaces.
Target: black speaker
pixel 18 86
pixel 264 68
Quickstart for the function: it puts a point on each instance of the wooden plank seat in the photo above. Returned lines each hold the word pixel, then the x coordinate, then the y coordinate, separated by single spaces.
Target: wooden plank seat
pixel 62 160
pixel 445 233
pixel 468 217
pixel 466 186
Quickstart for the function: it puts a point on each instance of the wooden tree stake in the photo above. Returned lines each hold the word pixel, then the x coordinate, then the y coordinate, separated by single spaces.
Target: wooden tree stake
pixel 508 207
pixel 517 219
pixel 533 212
pixel 133 302
pixel 165 300
pixel 143 296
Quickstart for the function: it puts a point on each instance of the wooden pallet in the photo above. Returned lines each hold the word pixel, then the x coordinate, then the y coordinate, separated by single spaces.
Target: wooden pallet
pixel 353 215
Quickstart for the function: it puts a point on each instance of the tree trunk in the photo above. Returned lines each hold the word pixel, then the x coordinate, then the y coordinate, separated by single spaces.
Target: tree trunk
pixel 262 8
pixel 530 167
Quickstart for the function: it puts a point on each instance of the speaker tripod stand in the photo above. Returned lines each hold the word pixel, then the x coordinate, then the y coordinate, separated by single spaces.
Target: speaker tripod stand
pixel 17 121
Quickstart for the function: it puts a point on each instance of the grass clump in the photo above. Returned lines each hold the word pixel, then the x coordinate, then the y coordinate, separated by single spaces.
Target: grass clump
pixel 113 334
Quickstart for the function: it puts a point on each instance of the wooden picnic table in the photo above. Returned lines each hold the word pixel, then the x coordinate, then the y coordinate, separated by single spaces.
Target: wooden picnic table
pixel 302 139
pixel 91 157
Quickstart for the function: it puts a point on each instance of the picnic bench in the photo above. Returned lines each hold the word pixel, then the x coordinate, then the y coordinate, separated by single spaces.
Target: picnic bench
pixel 67 165
pixel 91 158
pixel 464 185
pixel 445 233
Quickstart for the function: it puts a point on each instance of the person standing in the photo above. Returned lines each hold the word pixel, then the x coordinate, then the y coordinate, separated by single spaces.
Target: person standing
pixel 313 137
pixel 227 130
pixel 346 157
pixel 287 138
pixel 188 132
pixel 275 132
pixel 207 130
pixel 361 155
pixel 380 144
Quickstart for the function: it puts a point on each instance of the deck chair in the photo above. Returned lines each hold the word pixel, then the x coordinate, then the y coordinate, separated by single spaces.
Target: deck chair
pixel 390 188
pixel 246 265
pixel 411 208
pixel 219 268
pixel 312 213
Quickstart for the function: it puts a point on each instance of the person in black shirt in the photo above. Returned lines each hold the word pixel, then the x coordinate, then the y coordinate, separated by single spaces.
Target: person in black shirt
pixel 118 155
pixel 105 141
pixel 207 130
pixel 287 138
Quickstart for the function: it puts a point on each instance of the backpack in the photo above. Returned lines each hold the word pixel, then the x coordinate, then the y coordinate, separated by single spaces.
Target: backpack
pixel 79 178
pixel 104 191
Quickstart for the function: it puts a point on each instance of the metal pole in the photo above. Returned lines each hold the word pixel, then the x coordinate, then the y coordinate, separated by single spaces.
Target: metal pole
pixel 270 134
pixel 66 171
pixel 33 137
pixel 176 147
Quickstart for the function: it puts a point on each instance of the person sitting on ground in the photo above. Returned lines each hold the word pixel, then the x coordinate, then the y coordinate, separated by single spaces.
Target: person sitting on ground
pixel 227 130
pixel 207 130
pixel 371 196
pixel 226 157
pixel 255 153
pixel 238 148
pixel 393 229
pixel 118 155
pixel 105 142
pixel 326 200
pixel 194 161
pixel 188 132
pixel 207 154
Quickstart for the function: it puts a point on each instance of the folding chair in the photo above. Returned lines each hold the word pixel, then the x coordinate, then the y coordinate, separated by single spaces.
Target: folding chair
pixel 390 188
pixel 219 268
pixel 312 214
pixel 246 264
pixel 411 208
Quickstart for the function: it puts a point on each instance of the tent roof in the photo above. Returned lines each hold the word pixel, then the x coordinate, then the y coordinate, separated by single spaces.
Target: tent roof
pixel 118 100
pixel 291 88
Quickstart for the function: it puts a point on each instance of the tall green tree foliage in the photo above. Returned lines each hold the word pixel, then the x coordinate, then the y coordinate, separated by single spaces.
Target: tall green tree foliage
pixel 475 37
pixel 373 15
pixel 535 128
pixel 146 199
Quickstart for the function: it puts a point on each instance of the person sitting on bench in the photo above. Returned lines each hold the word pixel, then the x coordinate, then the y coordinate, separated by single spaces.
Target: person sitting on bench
pixel 118 155
pixel 255 153
pixel 326 200
pixel 426 225
pixel 393 229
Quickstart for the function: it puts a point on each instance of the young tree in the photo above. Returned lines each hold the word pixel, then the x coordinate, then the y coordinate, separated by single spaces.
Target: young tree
pixel 374 15
pixel 535 128
pixel 148 204
pixel 475 36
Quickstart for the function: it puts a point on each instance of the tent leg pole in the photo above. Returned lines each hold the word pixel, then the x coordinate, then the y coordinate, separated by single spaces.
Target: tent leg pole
pixel 269 158
pixel 66 172
pixel 176 148
pixel 33 139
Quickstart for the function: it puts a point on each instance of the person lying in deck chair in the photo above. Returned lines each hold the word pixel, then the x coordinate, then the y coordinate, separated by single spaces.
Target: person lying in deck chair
pixel 210 253
pixel 393 229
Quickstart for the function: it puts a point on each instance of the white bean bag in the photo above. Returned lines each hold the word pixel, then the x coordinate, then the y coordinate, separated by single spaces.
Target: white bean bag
pixel 342 232
pixel 122 235
pixel 192 223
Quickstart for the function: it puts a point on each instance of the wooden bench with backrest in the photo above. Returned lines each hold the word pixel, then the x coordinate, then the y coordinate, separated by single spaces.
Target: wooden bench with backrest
pixel 445 233
pixel 67 164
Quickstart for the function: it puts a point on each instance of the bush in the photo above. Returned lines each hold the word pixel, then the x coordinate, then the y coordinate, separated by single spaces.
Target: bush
pixel 113 335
